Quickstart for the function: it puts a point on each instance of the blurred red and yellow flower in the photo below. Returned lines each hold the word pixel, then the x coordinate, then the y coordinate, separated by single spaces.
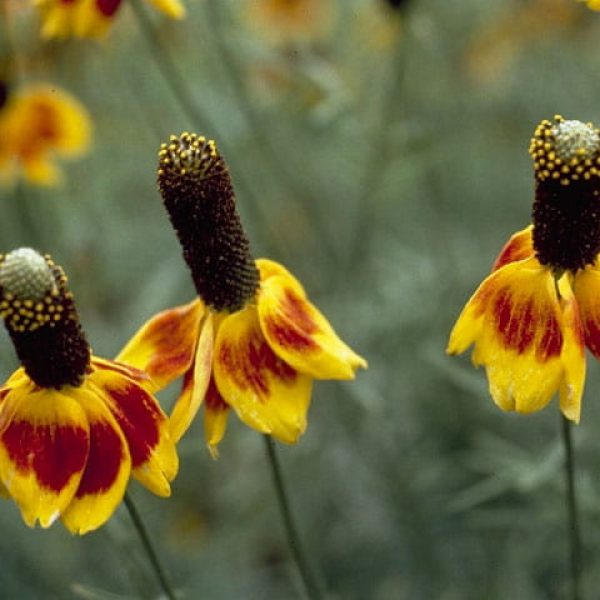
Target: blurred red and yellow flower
pixel 90 18
pixel 38 123
pixel 281 21
pixel 73 427
pixel 252 341
pixel 531 319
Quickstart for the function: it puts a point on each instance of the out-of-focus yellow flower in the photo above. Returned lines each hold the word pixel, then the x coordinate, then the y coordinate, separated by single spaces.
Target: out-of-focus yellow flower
pixel 499 43
pixel 252 341
pixel 290 20
pixel 531 319
pixel 593 4
pixel 36 123
pixel 90 18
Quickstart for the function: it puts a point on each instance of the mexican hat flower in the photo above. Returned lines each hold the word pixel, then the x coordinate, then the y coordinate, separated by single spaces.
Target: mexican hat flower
pixel 90 18
pixel 281 21
pixel 251 341
pixel 38 123
pixel 73 427
pixel 531 319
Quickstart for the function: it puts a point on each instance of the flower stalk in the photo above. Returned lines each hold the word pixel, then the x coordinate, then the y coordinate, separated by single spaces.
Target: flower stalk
pixel 148 547
pixel 313 591
pixel 572 510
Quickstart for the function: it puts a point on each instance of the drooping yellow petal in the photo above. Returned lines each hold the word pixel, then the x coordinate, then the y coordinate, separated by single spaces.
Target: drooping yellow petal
pixel 107 468
pixel 586 287
pixel 266 393
pixel 57 18
pixel 172 8
pixel 196 382
pixel 164 347
pixel 44 446
pixel 216 412
pixel 153 455
pixel 573 352
pixel 528 346
pixel 296 330
pixel 518 247
pixel 92 22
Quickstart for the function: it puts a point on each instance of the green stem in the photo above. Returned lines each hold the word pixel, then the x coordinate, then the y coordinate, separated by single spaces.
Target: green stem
pixel 308 579
pixel 184 97
pixel 572 513
pixel 146 542
pixel 280 170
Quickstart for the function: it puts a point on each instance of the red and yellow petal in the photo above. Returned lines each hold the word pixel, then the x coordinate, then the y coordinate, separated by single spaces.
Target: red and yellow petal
pixel 216 412
pixel 266 393
pixel 164 347
pixel 146 428
pixel 586 287
pixel 107 469
pixel 195 382
pixel 296 330
pixel 518 247
pixel 528 339
pixel 573 352
pixel 44 446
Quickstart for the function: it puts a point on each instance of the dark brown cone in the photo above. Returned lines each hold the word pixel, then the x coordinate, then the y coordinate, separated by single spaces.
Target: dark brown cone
pixel 46 332
pixel 197 192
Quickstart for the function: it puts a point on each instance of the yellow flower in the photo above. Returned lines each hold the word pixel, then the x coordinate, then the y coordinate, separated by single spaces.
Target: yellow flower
pixel 593 4
pixel 36 123
pixel 531 319
pixel 252 341
pixel 290 20
pixel 73 427
pixel 90 18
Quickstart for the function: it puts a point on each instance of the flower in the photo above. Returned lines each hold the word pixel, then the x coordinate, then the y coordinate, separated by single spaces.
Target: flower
pixel 252 341
pixel 90 18
pixel 593 4
pixel 36 123
pixel 73 426
pixel 531 319
pixel 279 21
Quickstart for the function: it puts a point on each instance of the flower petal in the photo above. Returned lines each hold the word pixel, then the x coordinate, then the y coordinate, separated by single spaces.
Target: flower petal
pixel 586 287
pixel 528 346
pixel 106 471
pixel 266 393
pixel 153 455
pixel 572 354
pixel 216 412
pixel 518 247
pixel 298 333
pixel 172 8
pixel 195 383
pixel 44 445
pixel 164 346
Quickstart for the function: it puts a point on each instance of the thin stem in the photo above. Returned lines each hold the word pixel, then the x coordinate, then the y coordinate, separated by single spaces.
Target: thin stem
pixel 145 539
pixel 572 513
pixel 280 170
pixel 184 97
pixel 308 579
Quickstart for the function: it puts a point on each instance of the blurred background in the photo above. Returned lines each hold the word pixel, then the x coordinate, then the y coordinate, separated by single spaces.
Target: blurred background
pixel 379 151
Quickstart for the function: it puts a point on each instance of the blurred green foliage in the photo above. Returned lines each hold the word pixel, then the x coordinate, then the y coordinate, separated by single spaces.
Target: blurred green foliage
pixel 385 165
